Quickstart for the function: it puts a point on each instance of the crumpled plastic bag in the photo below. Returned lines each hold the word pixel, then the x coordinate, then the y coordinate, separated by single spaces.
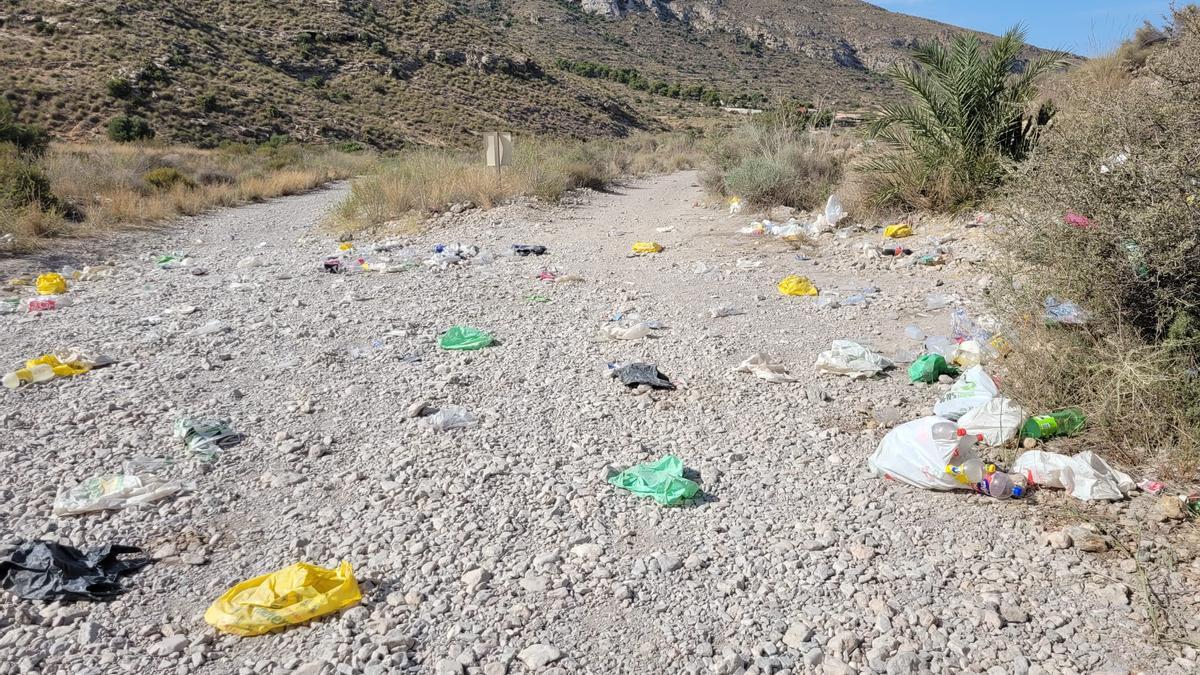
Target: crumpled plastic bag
pixel 929 367
pixel 1064 313
pixel 662 481
pixel 898 231
pixel 112 491
pixel 850 358
pixel 762 366
pixel 205 438
pixel 1085 476
pixel 45 570
pixel 797 285
pixel 452 417
pixel 644 247
pixel 49 366
pixel 636 374
pixel 464 338
pixel 998 421
pixel 971 390
pixel 910 454
pixel 292 595
pixel 635 332
pixel 51 283
pixel 528 249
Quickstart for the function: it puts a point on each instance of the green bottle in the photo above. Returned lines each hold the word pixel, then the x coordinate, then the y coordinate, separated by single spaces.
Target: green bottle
pixel 1059 423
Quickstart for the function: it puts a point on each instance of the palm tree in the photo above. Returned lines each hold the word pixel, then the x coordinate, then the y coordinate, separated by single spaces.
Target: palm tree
pixel 969 118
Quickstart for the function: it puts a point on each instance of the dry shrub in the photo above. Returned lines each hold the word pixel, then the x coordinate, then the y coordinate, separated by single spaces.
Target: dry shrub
pixel 1135 367
pixel 774 161
pixel 420 182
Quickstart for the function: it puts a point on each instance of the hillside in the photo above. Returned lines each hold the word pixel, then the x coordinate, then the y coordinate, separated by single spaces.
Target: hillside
pixel 427 71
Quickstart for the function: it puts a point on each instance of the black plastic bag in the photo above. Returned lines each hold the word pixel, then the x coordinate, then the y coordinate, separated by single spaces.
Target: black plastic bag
pixel 635 374
pixel 43 570
pixel 528 249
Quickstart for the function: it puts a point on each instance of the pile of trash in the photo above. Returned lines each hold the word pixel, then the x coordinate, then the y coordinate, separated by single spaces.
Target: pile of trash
pixel 793 229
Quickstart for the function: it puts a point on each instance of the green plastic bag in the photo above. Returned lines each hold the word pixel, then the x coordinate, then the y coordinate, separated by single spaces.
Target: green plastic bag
pixel 927 369
pixel 662 481
pixel 465 339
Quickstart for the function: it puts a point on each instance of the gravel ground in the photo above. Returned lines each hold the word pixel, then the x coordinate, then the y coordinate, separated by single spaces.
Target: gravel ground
pixel 501 548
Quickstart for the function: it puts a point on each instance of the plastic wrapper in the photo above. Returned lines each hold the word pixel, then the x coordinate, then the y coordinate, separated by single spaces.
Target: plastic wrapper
pixel 764 367
pixel 998 421
pixel 464 338
pixel 112 491
pixel 797 285
pixel 662 481
pixel 634 332
pixel 1084 476
pixel 636 374
pixel 898 231
pixel 51 283
pixel 929 367
pixel 293 595
pixel 452 417
pixel 971 390
pixel 852 359
pixel 644 247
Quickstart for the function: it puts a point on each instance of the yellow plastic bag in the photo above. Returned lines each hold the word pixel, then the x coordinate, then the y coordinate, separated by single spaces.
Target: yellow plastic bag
pixel 346 246
pixel 60 368
pixel 643 247
pixel 797 285
pixel 51 283
pixel 898 231
pixel 285 597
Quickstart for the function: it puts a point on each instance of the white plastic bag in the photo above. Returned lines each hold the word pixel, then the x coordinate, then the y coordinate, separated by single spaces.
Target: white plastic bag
pixel 834 211
pixel 452 417
pixel 850 358
pixel 1085 476
pixel 998 421
pixel 634 332
pixel 971 390
pixel 910 454
pixel 112 491
pixel 762 366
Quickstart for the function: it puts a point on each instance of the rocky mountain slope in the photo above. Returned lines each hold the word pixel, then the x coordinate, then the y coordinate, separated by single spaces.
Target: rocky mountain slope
pixel 387 73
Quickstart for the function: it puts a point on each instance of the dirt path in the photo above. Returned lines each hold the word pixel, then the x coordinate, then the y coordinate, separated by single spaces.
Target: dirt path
pixel 473 545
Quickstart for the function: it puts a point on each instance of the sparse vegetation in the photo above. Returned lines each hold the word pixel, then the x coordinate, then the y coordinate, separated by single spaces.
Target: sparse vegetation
pixel 1125 160
pixel 419 182
pixel 778 159
pixel 166 177
pixel 634 79
pixel 969 118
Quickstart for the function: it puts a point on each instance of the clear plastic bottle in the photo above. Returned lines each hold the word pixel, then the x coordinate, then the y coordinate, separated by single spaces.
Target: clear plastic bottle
pixel 1001 485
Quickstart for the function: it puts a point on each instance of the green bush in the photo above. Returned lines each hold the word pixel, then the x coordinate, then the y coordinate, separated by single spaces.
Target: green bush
pixel 1124 159
pixel 127 128
pixel 119 87
pixel 26 139
pixel 968 119
pixel 22 183
pixel 770 161
pixel 166 177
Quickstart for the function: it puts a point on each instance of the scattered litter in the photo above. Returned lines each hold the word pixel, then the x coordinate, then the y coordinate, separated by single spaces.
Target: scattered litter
pixel 636 374
pixel 465 338
pixel 1065 313
pixel 897 252
pixel 937 301
pixel 538 298
pixel 452 417
pixel 1116 160
pixel 249 262
pixel 205 438
pixel 528 249
pixel 333 265
pixel 756 229
pixel 664 230
pixel 345 246
pixel 546 275
pixel 1085 476
pixel 735 205
pixel 942 346
pixel 634 332
pixel 973 389
pixel 998 421
pixel 918 452
pixel 51 283
pixel 762 366
pixel 112 491
pixel 445 255
pixel 292 595
pixel 797 285
pixel 747 264
pixel 898 231
pixel 1066 422
pixel 49 366
pixel 723 311
pixel 9 305
pixel 1076 220
pixel 852 359
pixel 662 481
pixel 929 368
pixel 914 332
pixel 1152 486
pixel 644 247
pixel 44 570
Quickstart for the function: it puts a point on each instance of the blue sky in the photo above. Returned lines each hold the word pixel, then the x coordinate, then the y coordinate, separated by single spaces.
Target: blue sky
pixel 1086 27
